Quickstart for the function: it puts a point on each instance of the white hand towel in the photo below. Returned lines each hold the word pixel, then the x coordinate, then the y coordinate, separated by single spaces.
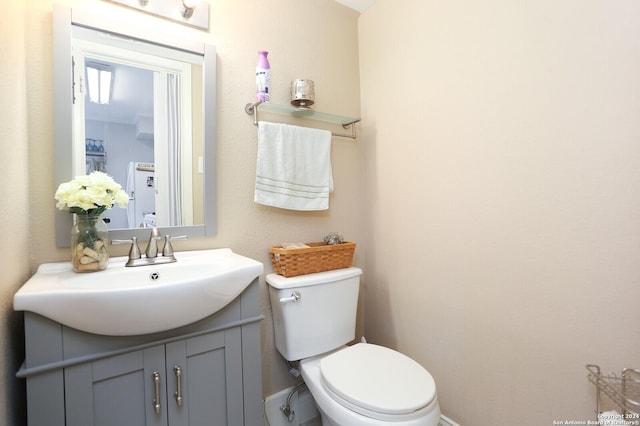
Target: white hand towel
pixel 293 170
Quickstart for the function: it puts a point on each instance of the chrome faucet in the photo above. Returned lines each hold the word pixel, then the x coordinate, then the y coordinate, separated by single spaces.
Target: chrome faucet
pixel 151 252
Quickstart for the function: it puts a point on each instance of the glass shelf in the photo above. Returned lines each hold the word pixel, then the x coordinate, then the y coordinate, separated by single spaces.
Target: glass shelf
pixel 307 113
pixel 254 108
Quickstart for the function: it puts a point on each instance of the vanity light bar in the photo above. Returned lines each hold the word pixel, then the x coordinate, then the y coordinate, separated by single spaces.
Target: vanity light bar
pixel 189 12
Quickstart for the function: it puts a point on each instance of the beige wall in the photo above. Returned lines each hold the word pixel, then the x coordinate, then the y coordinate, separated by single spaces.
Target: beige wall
pixel 500 159
pixel 314 39
pixel 14 213
pixel 503 173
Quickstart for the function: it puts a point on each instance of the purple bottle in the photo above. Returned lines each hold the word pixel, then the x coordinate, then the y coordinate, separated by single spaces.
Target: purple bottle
pixel 263 77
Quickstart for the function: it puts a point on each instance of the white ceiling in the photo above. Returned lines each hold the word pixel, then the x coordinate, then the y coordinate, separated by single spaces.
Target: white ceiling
pixel 131 96
pixel 359 5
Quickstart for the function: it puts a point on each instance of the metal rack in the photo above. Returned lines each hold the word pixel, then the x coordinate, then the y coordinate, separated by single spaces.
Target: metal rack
pixel 345 122
pixel 623 390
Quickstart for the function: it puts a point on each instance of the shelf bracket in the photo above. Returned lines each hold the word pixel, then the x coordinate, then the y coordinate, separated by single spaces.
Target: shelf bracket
pixel 252 109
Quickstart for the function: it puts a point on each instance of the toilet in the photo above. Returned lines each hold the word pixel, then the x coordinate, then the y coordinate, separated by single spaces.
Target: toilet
pixel 314 318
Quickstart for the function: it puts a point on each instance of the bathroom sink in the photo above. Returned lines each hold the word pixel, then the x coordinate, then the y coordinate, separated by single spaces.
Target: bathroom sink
pixel 123 301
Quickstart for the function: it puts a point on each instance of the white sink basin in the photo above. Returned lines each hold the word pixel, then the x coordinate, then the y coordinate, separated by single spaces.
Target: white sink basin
pixel 121 301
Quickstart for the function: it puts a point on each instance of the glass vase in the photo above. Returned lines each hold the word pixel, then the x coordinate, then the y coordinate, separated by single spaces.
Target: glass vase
pixel 89 242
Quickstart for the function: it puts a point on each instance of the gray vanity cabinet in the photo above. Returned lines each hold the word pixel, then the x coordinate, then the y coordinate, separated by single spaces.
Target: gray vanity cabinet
pixel 197 381
pixel 116 390
pixel 204 374
pixel 211 380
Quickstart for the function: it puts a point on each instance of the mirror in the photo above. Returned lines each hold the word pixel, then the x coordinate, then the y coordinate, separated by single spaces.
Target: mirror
pixel 159 144
pixel 140 128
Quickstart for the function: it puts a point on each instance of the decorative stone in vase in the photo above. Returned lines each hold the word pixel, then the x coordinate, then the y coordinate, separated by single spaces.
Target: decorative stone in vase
pixel 89 242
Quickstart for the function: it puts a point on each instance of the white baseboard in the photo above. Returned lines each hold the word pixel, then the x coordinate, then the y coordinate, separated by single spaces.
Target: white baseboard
pixel 446 421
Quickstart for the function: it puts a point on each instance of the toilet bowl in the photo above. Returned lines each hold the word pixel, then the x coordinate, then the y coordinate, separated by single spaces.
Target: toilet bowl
pixel 371 385
pixel 360 385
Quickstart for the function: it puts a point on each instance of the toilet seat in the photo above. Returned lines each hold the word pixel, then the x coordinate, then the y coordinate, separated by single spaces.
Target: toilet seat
pixel 377 382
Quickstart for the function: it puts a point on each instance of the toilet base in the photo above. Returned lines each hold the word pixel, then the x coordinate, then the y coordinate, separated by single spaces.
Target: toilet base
pixel 334 414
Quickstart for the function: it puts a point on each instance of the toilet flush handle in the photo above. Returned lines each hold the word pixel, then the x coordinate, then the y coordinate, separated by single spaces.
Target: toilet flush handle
pixel 295 297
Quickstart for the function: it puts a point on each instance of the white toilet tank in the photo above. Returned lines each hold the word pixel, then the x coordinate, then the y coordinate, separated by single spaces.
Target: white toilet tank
pixel 314 313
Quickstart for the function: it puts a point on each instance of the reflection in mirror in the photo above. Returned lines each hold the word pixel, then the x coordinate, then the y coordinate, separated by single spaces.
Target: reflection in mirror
pixel 119 140
pixel 147 130
pixel 142 110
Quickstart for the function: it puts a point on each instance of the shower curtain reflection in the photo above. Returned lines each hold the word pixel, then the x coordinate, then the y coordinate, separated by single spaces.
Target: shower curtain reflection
pixel 174 149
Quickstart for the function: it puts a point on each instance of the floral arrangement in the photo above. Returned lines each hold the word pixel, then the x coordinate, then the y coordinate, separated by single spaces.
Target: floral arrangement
pixel 91 194
pixel 88 197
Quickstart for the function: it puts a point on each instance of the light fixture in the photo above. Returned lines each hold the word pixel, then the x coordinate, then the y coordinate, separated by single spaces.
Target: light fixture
pixel 194 13
pixel 188 6
pixel 99 83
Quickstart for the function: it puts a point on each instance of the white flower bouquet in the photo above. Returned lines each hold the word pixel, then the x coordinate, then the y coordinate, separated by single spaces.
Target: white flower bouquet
pixel 88 197
pixel 91 194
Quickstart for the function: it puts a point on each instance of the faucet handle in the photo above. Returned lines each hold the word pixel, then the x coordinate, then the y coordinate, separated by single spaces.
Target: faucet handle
pixel 167 250
pixel 134 251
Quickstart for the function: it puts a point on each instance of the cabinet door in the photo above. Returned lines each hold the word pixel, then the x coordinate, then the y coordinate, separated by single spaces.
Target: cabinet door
pixel 210 380
pixel 118 391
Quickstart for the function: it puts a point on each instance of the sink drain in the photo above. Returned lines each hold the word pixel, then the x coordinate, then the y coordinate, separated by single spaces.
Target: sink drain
pixel 154 276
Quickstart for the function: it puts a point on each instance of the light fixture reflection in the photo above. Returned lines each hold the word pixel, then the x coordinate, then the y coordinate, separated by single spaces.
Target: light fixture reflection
pixel 99 84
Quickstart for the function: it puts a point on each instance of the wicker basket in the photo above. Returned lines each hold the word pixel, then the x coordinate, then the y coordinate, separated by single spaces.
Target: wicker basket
pixel 318 257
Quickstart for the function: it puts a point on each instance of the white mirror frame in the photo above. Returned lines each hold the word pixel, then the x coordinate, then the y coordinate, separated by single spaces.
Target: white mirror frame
pixel 63 19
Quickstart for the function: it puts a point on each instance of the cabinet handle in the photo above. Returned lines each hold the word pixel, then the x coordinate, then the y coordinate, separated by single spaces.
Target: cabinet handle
pixel 155 377
pixel 178 394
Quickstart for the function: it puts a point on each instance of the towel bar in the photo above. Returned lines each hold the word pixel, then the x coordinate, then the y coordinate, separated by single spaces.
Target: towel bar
pixel 345 122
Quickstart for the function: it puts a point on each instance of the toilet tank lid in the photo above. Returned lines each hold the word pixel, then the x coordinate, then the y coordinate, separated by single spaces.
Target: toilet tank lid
pixel 280 282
